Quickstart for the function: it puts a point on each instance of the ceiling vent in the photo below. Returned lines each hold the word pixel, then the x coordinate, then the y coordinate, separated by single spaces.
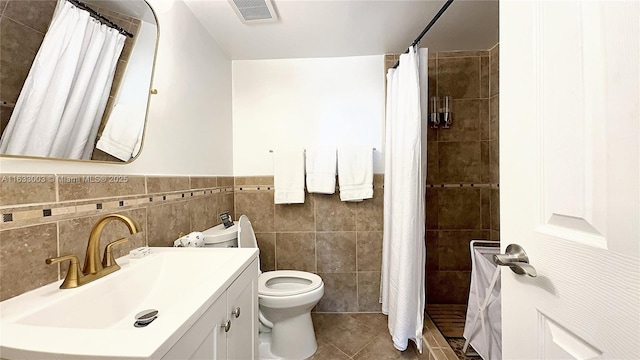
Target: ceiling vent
pixel 254 11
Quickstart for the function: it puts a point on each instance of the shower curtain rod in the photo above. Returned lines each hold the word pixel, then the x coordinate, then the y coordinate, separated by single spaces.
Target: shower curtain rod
pixel 424 31
pixel 101 17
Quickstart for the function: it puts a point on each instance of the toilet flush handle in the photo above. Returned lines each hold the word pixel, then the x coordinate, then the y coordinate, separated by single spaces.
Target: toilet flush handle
pixel 236 312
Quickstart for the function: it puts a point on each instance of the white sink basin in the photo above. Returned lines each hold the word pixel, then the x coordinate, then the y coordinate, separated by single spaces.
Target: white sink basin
pixel 96 319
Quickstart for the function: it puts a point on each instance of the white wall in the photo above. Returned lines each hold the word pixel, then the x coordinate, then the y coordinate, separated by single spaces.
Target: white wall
pixel 304 102
pixel 189 125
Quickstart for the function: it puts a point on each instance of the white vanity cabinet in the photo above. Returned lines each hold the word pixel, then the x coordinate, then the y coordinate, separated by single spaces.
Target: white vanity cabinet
pixel 229 328
pixel 195 290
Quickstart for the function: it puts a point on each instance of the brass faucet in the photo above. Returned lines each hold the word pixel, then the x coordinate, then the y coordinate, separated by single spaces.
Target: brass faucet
pixel 93 267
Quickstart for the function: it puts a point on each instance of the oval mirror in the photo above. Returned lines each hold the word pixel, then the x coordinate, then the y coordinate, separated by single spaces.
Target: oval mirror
pixel 76 78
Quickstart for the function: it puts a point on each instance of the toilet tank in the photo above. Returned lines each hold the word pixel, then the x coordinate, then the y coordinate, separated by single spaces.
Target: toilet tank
pixel 219 236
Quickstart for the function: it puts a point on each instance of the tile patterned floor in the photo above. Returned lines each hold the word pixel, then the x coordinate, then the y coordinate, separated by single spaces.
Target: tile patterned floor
pixel 358 336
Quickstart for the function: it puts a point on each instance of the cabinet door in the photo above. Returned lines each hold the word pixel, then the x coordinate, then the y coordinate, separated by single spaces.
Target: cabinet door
pixel 218 336
pixel 206 339
pixel 242 300
pixel 214 345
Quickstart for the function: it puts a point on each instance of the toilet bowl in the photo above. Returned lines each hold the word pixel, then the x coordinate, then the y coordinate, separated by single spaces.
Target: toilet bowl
pixel 285 301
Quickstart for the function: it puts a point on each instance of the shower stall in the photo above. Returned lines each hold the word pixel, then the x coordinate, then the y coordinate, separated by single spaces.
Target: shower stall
pixel 462 196
pixel 463 187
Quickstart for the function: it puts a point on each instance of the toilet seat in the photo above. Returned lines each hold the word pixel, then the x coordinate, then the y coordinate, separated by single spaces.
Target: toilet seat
pixel 287 283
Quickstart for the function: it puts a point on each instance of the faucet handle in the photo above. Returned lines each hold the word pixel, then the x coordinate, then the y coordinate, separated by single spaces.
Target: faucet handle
pixel 108 259
pixel 73 274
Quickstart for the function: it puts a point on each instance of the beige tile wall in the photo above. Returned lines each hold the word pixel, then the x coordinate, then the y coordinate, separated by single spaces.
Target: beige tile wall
pixel 51 215
pixel 463 185
pixel 46 215
pixel 463 170
pixel 340 241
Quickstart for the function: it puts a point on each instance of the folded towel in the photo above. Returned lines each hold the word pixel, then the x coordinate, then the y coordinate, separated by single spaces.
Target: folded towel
pixel 288 176
pixel 122 135
pixel 355 173
pixel 194 239
pixel 321 169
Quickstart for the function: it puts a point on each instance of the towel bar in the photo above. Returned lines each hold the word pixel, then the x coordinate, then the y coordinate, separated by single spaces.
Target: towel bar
pixel 374 149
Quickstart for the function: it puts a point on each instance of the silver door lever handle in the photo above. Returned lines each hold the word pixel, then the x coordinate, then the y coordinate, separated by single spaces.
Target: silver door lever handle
pixel 517 260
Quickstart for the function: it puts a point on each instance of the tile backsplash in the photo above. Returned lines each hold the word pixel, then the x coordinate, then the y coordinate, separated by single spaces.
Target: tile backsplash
pixel 46 215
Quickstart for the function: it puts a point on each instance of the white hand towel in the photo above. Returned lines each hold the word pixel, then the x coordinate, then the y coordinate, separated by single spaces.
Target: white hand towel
pixel 122 135
pixel 355 173
pixel 321 169
pixel 288 176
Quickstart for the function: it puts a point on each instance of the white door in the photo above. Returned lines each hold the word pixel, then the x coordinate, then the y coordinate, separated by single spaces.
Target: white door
pixel 569 177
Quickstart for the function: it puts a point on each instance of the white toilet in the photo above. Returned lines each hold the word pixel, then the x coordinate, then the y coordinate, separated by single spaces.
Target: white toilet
pixel 285 299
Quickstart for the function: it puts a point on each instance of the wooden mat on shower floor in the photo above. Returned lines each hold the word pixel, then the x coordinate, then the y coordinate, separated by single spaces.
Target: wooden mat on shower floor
pixel 457 344
pixel 449 318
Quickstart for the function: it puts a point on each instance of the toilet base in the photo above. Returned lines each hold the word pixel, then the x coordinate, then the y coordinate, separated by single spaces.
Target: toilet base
pixel 292 339
pixel 264 347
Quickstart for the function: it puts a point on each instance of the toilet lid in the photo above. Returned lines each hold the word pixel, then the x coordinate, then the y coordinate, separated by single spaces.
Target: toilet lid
pixel 246 235
pixel 287 282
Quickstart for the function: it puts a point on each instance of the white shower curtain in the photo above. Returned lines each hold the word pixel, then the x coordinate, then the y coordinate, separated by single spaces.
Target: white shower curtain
pixel 404 251
pixel 63 99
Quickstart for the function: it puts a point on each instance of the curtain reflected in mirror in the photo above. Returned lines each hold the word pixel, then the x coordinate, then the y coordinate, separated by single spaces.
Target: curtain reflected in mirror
pixel 88 69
